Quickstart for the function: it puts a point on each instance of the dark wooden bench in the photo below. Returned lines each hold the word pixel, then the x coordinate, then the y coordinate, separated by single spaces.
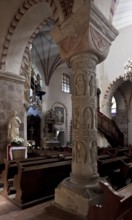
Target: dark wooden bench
pixel 106 166
pixel 122 176
pixel 36 183
pixel 116 205
pixel 11 169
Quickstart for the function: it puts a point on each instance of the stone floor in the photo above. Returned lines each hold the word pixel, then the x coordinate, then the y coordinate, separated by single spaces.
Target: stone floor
pixel 43 211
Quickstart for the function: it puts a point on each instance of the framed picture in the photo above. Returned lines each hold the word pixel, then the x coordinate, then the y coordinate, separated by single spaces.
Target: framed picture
pixel 59 113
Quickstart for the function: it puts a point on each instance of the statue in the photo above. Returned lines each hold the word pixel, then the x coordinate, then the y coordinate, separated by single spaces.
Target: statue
pixel 13 128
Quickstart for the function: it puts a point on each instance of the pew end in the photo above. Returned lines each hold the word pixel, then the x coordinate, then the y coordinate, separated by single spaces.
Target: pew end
pixel 117 205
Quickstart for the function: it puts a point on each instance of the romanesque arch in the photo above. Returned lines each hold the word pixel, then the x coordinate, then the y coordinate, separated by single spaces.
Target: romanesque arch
pixel 26 23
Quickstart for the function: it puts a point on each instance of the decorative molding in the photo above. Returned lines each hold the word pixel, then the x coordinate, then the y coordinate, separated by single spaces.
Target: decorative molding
pixel 27 4
pixel 113 86
pixel 100 43
pixel 8 76
pixel 99 22
pixel 74 35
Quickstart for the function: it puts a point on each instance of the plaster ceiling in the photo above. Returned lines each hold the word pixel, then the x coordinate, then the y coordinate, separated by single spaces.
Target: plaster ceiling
pixel 123 14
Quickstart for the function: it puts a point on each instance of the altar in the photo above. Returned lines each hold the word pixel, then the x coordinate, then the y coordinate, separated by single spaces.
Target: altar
pixel 18 153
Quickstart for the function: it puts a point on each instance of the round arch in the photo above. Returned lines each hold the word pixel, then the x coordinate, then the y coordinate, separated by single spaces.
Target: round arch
pixel 25 28
pixel 108 95
pixel 27 19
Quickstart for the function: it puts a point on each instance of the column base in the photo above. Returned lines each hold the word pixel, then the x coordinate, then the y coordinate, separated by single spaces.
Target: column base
pixel 76 198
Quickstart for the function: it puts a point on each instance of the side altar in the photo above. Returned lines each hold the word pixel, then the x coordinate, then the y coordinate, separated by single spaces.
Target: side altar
pixel 18 153
pixel 15 148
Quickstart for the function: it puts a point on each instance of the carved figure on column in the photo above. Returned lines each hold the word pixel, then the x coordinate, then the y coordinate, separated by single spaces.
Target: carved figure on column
pixel 93 154
pixel 92 85
pixel 80 85
pixel 81 152
pixel 87 118
pixel 76 118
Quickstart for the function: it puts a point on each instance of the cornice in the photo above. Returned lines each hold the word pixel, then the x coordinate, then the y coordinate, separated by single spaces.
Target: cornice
pixel 101 24
pixel 11 77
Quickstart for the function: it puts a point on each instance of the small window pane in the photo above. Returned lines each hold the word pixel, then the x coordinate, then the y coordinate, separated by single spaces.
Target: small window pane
pixel 113 106
pixel 65 83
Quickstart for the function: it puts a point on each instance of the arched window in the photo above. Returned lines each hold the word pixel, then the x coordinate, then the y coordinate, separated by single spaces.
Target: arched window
pixel 113 106
pixel 66 83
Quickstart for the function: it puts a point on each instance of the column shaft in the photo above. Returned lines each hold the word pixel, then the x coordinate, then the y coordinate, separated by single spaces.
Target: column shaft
pixel 84 115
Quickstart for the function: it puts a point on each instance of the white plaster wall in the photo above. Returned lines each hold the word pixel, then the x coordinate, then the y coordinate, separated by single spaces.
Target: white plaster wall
pixel 54 96
pixel 113 66
pixel 104 6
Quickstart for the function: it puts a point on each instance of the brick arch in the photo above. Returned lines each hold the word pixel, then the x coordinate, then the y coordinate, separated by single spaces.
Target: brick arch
pixel 114 85
pixel 27 4
pixel 124 101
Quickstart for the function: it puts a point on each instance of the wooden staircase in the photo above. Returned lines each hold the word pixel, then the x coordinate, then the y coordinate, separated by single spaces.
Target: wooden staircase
pixel 111 131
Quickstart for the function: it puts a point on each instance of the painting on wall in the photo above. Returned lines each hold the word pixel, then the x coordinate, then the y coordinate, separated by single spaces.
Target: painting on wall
pixel 59 113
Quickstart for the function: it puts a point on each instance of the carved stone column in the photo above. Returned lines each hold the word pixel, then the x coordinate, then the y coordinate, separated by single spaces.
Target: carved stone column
pixel 84 40
pixel 84 116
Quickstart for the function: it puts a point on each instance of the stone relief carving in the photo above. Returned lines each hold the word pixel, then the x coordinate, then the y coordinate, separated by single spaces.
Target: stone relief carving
pixel 100 43
pixel 80 85
pixel 86 63
pixel 81 152
pixel 92 85
pixel 98 20
pixel 93 155
pixel 75 41
pixel 87 120
pixel 76 118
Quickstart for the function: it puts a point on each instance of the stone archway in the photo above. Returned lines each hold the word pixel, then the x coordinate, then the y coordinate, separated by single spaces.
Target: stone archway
pixel 29 18
pixel 121 117
pixel 27 21
pixel 108 95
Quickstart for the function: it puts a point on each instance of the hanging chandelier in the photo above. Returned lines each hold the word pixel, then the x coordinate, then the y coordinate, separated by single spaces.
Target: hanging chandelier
pixel 128 70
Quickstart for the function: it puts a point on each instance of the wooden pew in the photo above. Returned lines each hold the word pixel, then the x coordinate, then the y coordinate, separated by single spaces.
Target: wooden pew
pixel 36 183
pixel 11 169
pixel 120 177
pixel 116 205
pixel 106 167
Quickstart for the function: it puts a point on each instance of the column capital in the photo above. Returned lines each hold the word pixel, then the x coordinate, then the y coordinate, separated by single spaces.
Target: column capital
pixel 86 30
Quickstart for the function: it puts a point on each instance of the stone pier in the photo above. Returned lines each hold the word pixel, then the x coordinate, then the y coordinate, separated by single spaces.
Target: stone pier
pixel 84 40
